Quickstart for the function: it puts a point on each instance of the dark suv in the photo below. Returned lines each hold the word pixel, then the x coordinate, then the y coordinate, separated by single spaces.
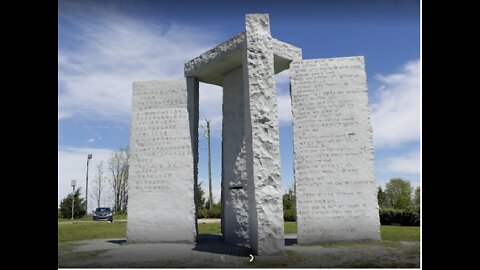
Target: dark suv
pixel 103 213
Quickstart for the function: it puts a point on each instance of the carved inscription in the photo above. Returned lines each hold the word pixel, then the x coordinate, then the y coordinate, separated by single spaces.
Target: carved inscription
pixel 334 173
pixel 161 137
pixel 161 164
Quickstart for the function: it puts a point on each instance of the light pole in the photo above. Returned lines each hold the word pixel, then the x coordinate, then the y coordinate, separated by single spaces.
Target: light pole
pixel 209 167
pixel 86 184
pixel 73 183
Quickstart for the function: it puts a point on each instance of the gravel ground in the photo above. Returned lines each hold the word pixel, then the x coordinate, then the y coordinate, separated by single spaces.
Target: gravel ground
pixel 211 252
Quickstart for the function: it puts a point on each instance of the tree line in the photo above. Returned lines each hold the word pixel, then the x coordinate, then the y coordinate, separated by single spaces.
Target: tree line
pixel 399 203
pixel 118 165
pixel 398 194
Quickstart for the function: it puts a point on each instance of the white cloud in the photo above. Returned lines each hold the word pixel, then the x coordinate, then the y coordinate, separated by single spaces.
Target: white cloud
pixel 284 109
pixel 107 51
pixel 72 164
pixel 91 140
pixel 63 115
pixel 396 113
pixel 210 106
pixel 282 83
pixel 283 78
pixel 408 164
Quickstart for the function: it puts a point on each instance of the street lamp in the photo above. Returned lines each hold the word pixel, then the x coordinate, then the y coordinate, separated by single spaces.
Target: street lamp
pixel 73 183
pixel 86 185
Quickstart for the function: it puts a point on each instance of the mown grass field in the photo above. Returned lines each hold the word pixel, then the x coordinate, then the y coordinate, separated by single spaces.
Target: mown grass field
pixel 68 231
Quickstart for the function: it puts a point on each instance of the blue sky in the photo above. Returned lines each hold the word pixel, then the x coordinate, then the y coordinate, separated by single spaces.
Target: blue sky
pixel 103 46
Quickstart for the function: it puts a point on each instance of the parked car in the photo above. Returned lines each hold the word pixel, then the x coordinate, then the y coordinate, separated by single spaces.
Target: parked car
pixel 103 213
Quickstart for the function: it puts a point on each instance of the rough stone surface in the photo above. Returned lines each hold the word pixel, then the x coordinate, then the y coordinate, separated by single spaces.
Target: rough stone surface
pixel 234 175
pixel 193 113
pixel 211 66
pixel 266 233
pixel 284 54
pixel 335 183
pixel 161 165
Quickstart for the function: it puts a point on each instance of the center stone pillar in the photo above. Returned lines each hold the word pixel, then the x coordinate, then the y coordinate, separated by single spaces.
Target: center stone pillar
pixel 234 175
pixel 244 65
pixel 266 234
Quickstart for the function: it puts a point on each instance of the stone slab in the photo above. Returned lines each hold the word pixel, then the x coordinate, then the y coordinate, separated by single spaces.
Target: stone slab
pixel 266 233
pixel 160 202
pixel 234 174
pixel 193 113
pixel 336 191
pixel 211 66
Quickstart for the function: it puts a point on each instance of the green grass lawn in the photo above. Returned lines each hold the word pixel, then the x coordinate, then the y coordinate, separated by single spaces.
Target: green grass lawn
pixel 209 228
pixel 100 230
pixel 400 233
pixel 290 227
pixel 68 232
pixel 89 218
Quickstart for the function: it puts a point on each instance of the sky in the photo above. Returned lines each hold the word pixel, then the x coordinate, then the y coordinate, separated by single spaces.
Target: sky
pixel 104 46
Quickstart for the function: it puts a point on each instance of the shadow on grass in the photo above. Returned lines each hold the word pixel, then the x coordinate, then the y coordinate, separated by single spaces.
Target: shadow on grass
pixel 213 243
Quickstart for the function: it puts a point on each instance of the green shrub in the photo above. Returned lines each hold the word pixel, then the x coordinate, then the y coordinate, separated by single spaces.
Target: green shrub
pixel 79 206
pixel 215 213
pixel 405 217
pixel 202 213
pixel 206 213
pixel 289 215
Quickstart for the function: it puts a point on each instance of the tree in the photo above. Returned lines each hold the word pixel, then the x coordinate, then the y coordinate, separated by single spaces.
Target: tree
pixel 200 196
pixel 98 184
pixel 416 199
pixel 382 198
pixel 289 200
pixel 79 206
pixel 399 193
pixel 118 165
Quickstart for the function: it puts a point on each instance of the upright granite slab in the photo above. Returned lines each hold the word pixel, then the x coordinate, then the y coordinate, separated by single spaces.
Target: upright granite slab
pixel 161 182
pixel 234 174
pixel 335 184
pixel 265 210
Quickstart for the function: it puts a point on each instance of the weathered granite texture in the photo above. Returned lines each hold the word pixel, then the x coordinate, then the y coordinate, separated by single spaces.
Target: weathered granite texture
pixel 193 114
pixel 234 174
pixel 161 165
pixel 266 234
pixel 335 184
pixel 213 64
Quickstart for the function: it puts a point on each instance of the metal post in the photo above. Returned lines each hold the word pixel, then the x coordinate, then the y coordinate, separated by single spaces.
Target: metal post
pixel 86 184
pixel 209 166
pixel 73 183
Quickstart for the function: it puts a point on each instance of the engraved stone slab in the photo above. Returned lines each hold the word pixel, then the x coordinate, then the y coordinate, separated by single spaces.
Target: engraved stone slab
pixel 266 234
pixel 335 184
pixel 234 174
pixel 160 196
